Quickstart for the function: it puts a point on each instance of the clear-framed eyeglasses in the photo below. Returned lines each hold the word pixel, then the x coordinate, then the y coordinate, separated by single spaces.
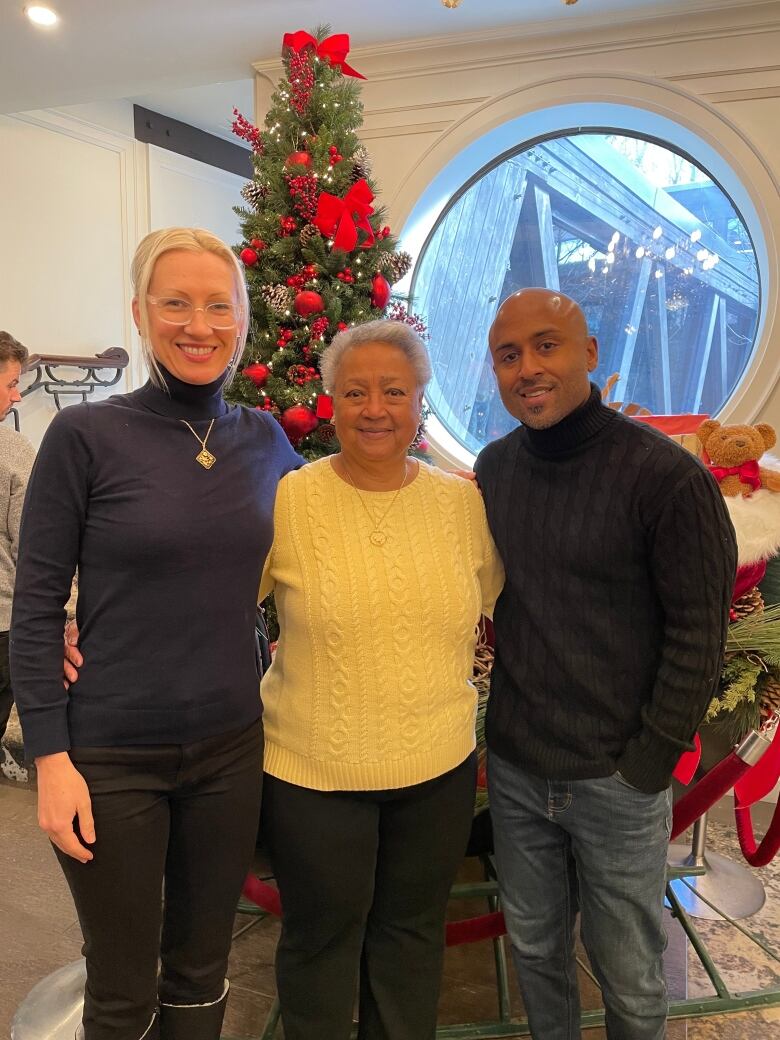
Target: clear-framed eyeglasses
pixel 218 315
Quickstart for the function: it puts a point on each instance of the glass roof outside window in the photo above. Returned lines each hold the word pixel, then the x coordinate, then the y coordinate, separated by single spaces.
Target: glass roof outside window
pixel 639 235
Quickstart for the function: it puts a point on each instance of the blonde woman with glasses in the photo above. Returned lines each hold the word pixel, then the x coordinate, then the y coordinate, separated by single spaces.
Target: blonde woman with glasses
pixel 150 765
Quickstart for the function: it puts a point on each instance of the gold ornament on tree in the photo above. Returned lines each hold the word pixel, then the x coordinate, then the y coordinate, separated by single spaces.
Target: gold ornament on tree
pixel 451 3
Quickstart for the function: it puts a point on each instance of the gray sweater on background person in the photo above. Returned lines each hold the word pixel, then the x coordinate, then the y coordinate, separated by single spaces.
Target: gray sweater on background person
pixel 16 459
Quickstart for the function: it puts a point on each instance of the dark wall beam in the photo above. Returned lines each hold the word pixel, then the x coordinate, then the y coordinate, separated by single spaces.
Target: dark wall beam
pixel 154 128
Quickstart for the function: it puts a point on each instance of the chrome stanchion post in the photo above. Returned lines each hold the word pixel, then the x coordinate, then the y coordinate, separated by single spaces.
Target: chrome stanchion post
pixel 731 886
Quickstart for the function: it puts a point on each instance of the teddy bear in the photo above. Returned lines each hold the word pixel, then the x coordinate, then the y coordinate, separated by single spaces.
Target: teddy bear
pixel 734 452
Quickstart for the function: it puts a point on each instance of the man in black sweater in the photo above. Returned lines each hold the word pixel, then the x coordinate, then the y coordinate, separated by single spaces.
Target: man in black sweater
pixel 620 561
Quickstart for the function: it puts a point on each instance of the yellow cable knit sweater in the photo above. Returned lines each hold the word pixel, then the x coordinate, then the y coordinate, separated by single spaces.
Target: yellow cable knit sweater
pixel 370 685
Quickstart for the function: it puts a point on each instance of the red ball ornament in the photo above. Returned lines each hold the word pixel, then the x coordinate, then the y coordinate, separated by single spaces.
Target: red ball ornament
pixel 308 302
pixel 298 159
pixel 380 291
pixel 248 257
pixel 298 422
pixel 258 373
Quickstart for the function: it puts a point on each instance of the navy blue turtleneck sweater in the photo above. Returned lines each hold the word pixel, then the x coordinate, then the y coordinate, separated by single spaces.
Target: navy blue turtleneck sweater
pixel 169 557
pixel 620 559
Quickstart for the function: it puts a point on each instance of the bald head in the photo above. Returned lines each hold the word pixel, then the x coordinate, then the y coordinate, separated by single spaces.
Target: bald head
pixel 560 308
pixel 542 356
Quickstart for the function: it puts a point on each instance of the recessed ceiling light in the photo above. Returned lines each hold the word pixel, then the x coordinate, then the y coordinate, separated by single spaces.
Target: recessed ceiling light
pixel 41 15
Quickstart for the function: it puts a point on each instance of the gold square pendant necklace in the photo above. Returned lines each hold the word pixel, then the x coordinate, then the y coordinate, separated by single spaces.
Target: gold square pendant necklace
pixel 204 456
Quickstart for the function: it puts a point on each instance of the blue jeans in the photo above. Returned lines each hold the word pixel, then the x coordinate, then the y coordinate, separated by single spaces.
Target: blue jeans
pixel 597 846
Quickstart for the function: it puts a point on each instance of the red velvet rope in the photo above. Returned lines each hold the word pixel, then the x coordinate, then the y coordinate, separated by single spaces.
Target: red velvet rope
pixel 473 929
pixel 756 855
pixel 262 894
pixel 707 791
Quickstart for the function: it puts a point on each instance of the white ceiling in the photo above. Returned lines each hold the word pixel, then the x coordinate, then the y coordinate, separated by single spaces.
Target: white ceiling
pixel 164 53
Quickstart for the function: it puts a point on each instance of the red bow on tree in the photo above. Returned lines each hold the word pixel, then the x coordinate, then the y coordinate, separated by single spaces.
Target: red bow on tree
pixel 333 49
pixel 340 219
pixel 747 473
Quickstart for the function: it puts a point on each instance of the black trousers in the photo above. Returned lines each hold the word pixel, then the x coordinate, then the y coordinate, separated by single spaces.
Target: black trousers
pixel 364 879
pixel 178 819
pixel 6 693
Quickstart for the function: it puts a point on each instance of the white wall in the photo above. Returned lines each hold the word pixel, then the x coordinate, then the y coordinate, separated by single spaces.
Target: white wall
pixel 77 192
pixel 189 193
pixel 67 214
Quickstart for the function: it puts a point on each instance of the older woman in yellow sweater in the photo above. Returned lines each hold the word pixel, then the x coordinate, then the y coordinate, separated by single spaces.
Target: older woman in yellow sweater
pixel 381 567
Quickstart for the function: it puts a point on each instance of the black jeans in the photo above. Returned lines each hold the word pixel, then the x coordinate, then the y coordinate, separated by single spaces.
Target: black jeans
pixel 175 818
pixel 6 693
pixel 364 879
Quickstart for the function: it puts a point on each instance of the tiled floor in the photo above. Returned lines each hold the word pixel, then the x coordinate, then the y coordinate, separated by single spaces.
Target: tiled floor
pixel 40 934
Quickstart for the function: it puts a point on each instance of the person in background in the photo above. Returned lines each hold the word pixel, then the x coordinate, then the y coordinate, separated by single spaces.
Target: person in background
pixel 381 568
pixel 609 640
pixel 16 459
pixel 150 764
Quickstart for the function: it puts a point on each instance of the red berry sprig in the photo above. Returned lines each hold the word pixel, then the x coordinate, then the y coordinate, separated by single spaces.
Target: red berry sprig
pixel 305 191
pixel 285 335
pixel 306 274
pixel 301 374
pixel 301 81
pixel 319 327
pixel 287 225
pixel 335 155
pixel 398 312
pixel 383 232
pixel 247 131
pixel 346 275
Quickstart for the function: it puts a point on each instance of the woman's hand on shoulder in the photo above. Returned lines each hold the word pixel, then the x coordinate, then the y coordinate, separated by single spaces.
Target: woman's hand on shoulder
pixel 63 796
pixel 467 474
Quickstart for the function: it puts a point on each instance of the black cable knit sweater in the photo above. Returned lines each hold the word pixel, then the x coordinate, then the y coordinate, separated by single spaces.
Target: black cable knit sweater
pixel 620 560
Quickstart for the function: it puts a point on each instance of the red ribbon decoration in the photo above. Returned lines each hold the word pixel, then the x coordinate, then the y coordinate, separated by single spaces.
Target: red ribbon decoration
pixel 689 762
pixel 333 49
pixel 340 219
pixel 324 408
pixel 748 575
pixel 747 473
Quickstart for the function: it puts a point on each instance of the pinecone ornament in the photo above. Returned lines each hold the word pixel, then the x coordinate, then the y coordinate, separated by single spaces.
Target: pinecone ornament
pixel 325 433
pixel 395 265
pixel 279 298
pixel 750 603
pixel 254 193
pixel 769 694
pixel 308 233
pixel 361 164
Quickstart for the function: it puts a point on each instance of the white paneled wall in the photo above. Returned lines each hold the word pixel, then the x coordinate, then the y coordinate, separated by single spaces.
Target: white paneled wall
pixel 186 192
pixel 77 192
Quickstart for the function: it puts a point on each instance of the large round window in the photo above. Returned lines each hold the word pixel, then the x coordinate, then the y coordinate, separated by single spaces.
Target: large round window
pixel 643 238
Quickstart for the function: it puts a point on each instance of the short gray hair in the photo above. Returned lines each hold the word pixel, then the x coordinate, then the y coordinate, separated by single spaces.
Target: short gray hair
pixel 384 330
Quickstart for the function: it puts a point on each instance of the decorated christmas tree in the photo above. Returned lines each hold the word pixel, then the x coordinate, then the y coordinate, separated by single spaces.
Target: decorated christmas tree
pixel 317 251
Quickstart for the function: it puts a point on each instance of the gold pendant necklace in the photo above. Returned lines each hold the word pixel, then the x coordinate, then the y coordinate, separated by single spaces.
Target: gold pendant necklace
pixel 377 537
pixel 204 456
